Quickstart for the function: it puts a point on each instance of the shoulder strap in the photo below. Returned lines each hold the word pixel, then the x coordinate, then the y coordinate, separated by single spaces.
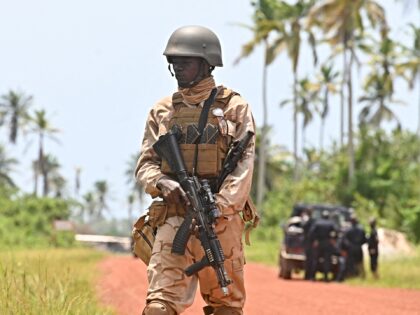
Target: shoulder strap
pixel 205 112
pixel 202 123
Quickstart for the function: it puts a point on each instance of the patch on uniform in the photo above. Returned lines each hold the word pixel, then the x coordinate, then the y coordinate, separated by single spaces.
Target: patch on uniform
pixel 217 112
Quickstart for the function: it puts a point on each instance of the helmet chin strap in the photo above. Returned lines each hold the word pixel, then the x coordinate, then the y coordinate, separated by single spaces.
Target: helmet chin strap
pixel 170 70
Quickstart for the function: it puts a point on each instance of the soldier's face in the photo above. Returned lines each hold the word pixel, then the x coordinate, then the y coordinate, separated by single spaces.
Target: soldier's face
pixel 186 69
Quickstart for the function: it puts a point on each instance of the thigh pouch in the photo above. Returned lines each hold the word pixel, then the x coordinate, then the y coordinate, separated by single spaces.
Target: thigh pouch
pixel 144 230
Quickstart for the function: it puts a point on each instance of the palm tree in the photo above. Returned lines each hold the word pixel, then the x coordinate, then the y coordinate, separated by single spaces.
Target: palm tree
pixel 6 167
pixel 52 176
pixel 326 84
pixel 58 184
pixel 36 169
pixel 14 108
pixel 306 100
pixel 343 24
pixel 376 111
pixel 265 21
pixel 279 161
pixel 42 128
pixel 292 19
pixel 78 171
pixel 89 206
pixel 101 191
pixel 130 201
pixel 412 65
pixel 379 84
pixel 136 187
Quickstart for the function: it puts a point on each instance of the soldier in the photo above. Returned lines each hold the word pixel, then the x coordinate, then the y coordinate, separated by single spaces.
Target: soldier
pixel 354 238
pixel 322 236
pixel 193 52
pixel 307 222
pixel 373 243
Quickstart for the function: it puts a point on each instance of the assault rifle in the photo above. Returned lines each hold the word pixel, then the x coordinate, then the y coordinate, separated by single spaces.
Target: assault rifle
pixel 202 209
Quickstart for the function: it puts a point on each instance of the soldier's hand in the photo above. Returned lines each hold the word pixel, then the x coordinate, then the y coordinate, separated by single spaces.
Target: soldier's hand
pixel 194 228
pixel 172 191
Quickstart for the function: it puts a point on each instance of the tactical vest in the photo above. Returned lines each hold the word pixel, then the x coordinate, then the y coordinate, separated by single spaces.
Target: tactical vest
pixel 213 150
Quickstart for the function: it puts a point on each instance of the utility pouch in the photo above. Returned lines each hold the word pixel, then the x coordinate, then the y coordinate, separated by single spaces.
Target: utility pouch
pixel 145 228
pixel 143 238
pixel 251 217
pixel 158 211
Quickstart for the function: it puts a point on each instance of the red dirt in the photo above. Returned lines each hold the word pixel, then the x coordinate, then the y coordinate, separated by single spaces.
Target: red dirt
pixel 123 286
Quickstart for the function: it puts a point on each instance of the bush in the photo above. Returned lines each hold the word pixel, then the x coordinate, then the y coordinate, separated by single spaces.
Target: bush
pixel 28 222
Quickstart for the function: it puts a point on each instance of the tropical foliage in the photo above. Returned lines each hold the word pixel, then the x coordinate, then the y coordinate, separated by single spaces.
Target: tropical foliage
pixel 375 169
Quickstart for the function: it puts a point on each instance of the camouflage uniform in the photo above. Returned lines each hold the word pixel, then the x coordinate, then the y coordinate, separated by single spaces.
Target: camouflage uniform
pixel 167 280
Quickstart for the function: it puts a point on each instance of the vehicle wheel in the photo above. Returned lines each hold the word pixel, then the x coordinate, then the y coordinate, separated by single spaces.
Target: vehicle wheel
pixel 286 269
pixel 281 268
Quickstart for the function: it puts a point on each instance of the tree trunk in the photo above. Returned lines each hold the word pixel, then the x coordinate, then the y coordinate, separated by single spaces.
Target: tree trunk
pixel 322 129
pixel 36 173
pixel 14 127
pixel 295 129
pixel 343 83
pixel 418 123
pixel 303 141
pixel 350 118
pixel 262 149
pixel 41 164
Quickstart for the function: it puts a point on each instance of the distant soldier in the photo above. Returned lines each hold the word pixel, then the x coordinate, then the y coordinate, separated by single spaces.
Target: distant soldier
pixel 373 243
pixel 341 255
pixel 307 222
pixel 354 238
pixel 322 237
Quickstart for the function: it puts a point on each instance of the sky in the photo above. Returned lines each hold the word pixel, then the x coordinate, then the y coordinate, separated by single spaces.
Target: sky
pixel 97 67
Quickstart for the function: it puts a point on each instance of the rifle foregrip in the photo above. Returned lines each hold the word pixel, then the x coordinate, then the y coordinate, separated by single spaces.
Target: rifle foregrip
pixel 181 237
pixel 196 267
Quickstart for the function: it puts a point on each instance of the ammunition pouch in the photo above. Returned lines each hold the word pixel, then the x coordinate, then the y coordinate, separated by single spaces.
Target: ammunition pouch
pixel 144 230
pixel 209 162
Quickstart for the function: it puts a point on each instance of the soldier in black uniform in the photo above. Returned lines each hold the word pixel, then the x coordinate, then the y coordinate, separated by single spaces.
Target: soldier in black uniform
pixel 322 236
pixel 373 242
pixel 341 255
pixel 354 238
pixel 307 222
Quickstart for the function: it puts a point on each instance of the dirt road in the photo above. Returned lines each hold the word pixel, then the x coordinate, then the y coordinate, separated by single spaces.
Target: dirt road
pixel 124 284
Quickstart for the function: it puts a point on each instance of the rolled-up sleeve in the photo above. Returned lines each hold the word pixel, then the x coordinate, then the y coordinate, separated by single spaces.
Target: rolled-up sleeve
pixel 237 186
pixel 148 166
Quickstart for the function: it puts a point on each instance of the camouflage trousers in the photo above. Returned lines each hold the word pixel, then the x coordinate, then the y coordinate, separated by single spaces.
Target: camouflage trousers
pixel 168 282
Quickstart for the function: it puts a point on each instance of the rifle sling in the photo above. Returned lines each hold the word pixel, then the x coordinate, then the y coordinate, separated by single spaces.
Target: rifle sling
pixel 202 123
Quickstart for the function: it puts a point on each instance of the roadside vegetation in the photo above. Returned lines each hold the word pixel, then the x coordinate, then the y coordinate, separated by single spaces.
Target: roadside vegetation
pixel 49 281
pixel 373 164
pixel 395 272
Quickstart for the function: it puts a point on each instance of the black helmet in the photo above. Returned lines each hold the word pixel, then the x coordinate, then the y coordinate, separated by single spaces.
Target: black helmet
pixel 195 41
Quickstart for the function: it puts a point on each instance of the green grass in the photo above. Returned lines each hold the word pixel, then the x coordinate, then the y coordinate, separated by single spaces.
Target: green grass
pixel 396 272
pixel 265 244
pixel 50 281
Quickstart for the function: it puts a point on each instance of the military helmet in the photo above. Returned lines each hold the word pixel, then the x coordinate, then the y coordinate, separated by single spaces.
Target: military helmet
pixel 195 41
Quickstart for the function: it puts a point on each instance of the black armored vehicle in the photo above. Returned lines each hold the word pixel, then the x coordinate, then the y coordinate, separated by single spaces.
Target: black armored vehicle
pixel 292 253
